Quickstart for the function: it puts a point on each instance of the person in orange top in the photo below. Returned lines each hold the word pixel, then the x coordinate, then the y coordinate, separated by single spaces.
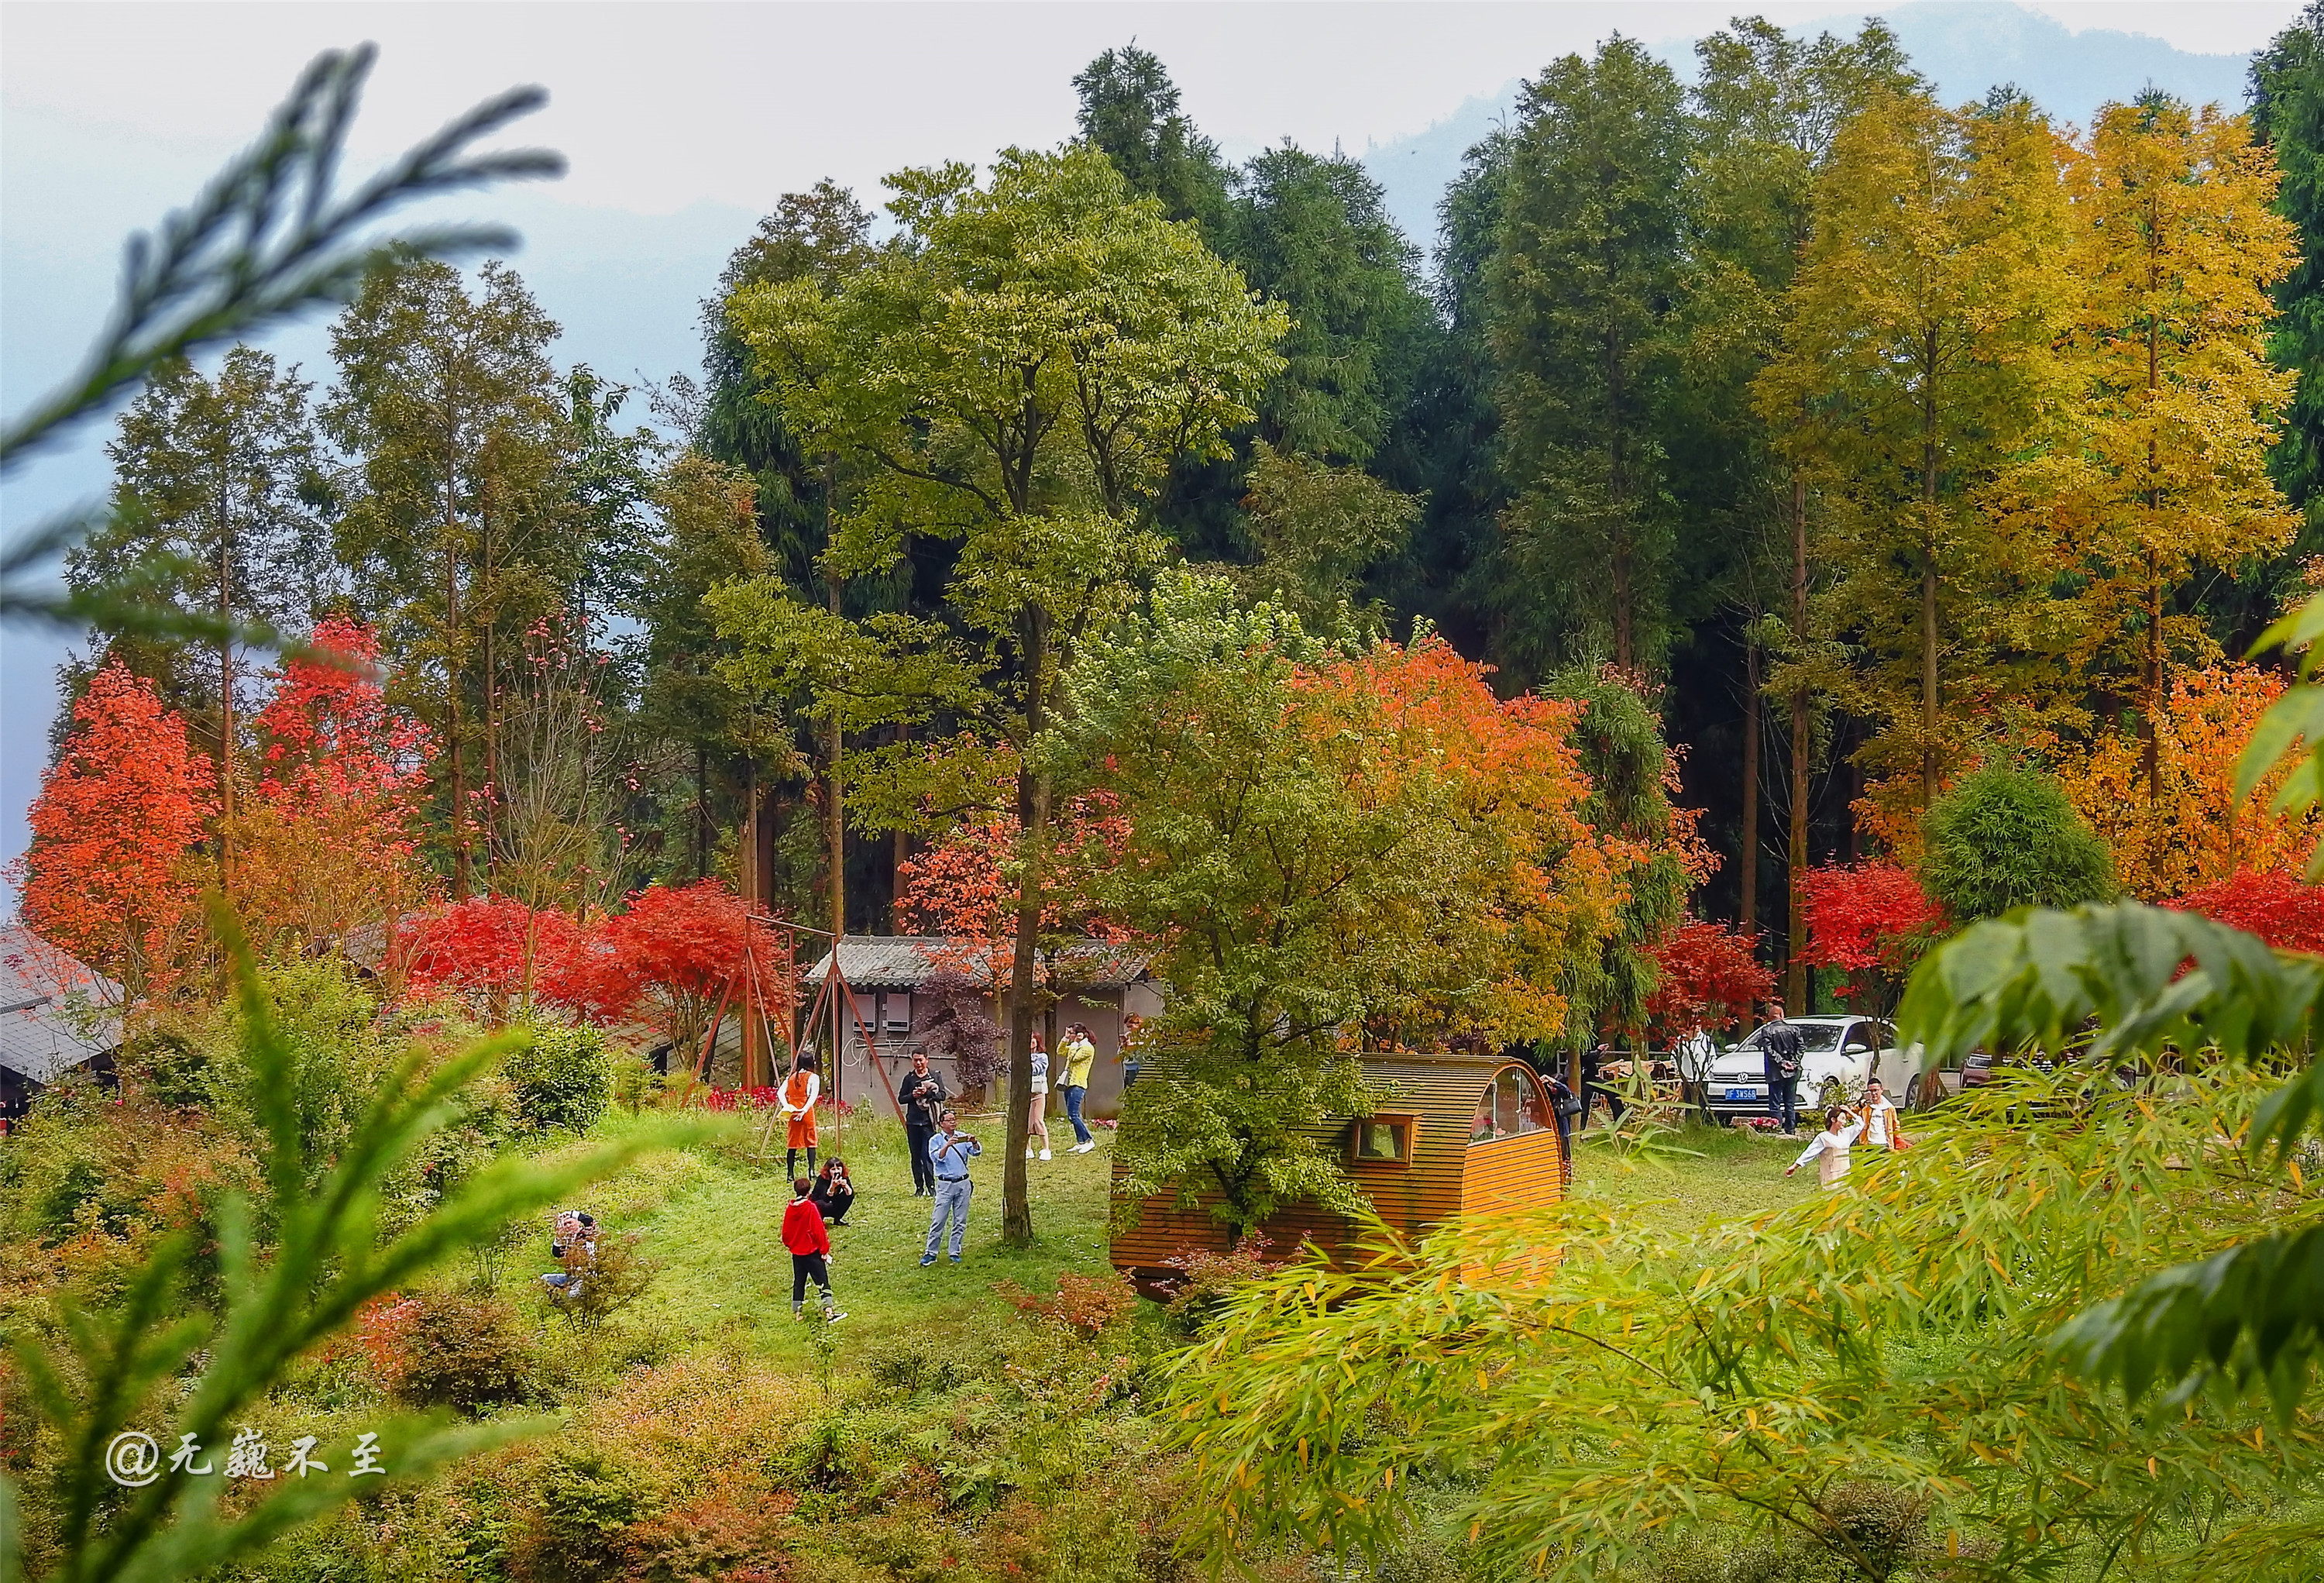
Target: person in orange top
pixel 810 1246
pixel 796 1098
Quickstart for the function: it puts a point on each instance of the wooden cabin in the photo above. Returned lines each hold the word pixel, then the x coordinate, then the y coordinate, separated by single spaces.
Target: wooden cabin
pixel 1451 1135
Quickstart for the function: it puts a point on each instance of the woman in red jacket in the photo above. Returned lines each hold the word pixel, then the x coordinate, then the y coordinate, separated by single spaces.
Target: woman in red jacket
pixel 810 1246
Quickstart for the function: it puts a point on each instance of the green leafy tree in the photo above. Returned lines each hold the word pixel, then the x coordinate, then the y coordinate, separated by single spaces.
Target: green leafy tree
pixel 2006 837
pixel 1582 284
pixel 217 487
pixel 821 235
pixel 1629 762
pixel 705 532
pixel 448 404
pixel 1018 372
pixel 1319 529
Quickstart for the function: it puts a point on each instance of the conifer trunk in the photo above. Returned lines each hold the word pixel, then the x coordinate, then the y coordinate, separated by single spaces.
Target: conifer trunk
pixel 225 692
pixel 1795 912
pixel 1748 867
pixel 1929 582
pixel 835 823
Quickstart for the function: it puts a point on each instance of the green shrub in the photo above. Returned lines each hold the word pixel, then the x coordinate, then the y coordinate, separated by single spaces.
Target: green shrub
pixel 462 1351
pixel 561 1078
pixel 582 1505
pixel 2007 838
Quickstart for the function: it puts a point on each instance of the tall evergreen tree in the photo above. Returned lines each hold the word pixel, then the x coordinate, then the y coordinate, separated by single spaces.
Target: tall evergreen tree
pixel 1584 285
pixel 455 532
pixel 1313 233
pixel 1129 112
pixel 2288 113
pixel 1765 110
pixel 216 498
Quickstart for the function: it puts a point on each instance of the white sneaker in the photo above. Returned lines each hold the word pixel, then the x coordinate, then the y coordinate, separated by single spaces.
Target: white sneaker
pixel 1084 1148
pixel 1028 1151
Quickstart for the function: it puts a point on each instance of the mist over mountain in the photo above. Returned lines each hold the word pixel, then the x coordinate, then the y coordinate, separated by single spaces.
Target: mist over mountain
pixel 1965 49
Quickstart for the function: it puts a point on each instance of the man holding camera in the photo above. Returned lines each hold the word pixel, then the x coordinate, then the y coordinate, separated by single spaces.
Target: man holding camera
pixel 921 1097
pixel 949 1152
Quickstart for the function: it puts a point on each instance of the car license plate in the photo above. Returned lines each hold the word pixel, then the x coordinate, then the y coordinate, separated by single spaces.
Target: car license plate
pixel 1742 1093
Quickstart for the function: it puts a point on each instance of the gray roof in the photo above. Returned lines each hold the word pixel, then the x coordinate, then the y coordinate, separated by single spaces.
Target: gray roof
pixel 46 999
pixel 904 961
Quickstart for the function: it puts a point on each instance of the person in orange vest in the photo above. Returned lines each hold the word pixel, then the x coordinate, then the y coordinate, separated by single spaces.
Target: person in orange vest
pixel 810 1246
pixel 796 1098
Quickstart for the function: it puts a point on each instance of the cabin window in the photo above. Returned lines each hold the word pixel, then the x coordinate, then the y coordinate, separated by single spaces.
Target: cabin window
pixel 895 1014
pixel 1382 1140
pixel 1510 1109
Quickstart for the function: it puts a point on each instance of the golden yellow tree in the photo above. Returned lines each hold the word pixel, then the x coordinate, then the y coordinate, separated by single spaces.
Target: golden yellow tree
pixel 2176 249
pixel 1918 366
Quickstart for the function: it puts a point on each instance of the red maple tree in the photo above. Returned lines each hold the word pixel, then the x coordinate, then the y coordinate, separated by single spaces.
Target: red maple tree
pixel 2278 907
pixel 493 950
pixel 110 874
pixel 330 839
pixel 1868 916
pixel 1708 978
pixel 670 958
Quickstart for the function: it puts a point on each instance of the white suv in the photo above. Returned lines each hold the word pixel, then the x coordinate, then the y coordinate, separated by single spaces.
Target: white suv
pixel 1838 1055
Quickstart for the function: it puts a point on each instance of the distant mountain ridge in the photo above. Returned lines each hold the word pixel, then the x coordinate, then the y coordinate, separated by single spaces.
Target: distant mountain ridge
pixel 1965 49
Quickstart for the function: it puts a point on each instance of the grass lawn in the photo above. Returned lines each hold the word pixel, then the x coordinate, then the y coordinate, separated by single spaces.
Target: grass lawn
pixel 1696 1175
pixel 710 1214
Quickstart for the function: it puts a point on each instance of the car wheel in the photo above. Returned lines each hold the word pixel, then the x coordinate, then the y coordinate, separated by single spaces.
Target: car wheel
pixel 1913 1093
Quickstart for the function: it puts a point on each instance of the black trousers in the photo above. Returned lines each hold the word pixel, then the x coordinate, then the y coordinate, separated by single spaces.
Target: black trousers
pixel 806 1267
pixel 1784 1101
pixel 924 1170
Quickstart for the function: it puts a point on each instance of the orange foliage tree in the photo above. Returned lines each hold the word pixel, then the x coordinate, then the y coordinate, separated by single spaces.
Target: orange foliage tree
pixel 110 874
pixel 1497 788
pixel 2193 831
pixel 329 841
pixel 964 887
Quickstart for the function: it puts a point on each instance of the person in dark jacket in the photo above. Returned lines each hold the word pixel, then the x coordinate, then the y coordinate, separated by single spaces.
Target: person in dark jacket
pixel 834 1194
pixel 1780 1050
pixel 922 1097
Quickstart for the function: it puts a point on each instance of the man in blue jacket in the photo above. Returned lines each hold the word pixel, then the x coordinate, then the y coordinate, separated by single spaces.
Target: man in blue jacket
pixel 949 1152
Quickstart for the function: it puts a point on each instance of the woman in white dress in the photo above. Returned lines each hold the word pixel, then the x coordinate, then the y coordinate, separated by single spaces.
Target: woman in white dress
pixel 1828 1148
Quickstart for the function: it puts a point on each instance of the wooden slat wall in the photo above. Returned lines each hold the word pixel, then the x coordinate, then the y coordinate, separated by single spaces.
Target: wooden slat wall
pixel 1446 1176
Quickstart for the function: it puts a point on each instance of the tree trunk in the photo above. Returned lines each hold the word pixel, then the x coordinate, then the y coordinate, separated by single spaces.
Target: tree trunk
pixel 1748 863
pixel 1928 578
pixel 226 695
pixel 900 849
pixel 458 784
pixel 1033 820
pixel 701 811
pixel 1802 754
pixel 754 1016
pixel 835 824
